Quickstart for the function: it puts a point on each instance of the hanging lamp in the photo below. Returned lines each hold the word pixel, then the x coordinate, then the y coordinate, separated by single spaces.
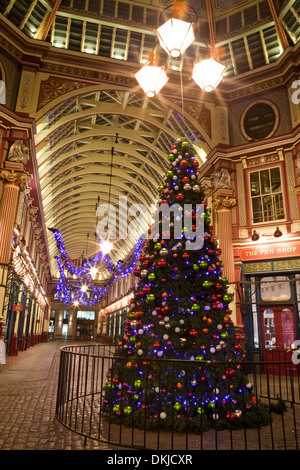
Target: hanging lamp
pixel 176 34
pixel 208 74
pixel 151 78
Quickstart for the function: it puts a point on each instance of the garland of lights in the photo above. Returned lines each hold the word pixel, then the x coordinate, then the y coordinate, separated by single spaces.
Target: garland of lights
pixel 71 294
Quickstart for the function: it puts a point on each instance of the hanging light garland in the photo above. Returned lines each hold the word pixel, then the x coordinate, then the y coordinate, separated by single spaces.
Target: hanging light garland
pixel 175 36
pixel 86 291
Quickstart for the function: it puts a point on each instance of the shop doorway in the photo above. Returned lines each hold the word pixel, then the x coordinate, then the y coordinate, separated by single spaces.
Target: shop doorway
pixel 278 334
pixel 65 331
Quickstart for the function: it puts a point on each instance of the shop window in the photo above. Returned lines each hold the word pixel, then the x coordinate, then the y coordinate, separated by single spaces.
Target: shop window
pixel 269 329
pixel 85 315
pixel 66 314
pixel 275 289
pixel 266 195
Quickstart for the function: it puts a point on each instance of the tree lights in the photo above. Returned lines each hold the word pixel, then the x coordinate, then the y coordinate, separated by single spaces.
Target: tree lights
pixel 182 314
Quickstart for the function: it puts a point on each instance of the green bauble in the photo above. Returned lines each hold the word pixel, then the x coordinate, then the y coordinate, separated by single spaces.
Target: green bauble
pixel 206 284
pixel 150 298
pixel 127 410
pixel 195 267
pixel 169 174
pixel 157 246
pixel 171 157
pixel 151 277
pixel 227 298
pixel 184 145
pixel 203 264
pixel 177 406
pixel 195 308
pixel 199 358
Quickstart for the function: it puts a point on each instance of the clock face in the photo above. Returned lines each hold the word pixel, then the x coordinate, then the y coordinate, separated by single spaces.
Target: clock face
pixel 259 121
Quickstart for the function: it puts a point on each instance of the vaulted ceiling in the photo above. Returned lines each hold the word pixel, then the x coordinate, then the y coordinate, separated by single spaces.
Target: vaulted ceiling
pixel 112 142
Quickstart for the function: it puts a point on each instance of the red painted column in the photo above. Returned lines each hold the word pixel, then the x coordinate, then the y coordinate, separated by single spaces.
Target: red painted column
pixel 14 179
pixel 223 203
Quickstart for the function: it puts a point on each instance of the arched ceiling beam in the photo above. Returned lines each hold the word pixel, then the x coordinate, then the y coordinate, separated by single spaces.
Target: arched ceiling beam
pixel 43 155
pixel 162 101
pixel 63 214
pixel 89 194
pixel 89 184
pixel 93 167
pixel 127 150
pixel 117 180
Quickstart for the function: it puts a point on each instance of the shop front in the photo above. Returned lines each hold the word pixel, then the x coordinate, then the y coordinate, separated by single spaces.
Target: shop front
pixel 112 319
pixel 271 298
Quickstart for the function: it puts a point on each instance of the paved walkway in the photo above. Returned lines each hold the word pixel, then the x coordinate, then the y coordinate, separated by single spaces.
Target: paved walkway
pixel 28 386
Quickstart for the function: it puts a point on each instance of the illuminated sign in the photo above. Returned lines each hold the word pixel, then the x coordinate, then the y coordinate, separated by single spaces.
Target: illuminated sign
pixel 270 251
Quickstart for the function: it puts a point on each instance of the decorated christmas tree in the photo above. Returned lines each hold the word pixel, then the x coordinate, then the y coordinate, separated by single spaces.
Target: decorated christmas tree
pixel 180 361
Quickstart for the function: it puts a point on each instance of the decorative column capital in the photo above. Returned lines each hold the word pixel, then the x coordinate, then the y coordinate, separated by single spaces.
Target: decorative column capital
pixel 12 176
pixel 224 201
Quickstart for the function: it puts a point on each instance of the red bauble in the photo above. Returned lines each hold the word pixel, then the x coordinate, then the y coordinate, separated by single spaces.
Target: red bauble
pixel 183 163
pixel 162 263
pixel 193 333
pixel 137 271
pixel 255 400
pixel 180 197
pixel 185 255
pixel 195 164
pixel 186 179
pixel 230 416
pixel 230 372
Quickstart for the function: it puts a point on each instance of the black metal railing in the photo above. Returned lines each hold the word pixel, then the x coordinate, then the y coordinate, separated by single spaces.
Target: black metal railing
pixel 80 405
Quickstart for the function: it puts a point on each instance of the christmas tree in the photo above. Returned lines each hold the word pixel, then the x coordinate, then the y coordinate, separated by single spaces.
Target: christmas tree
pixel 179 362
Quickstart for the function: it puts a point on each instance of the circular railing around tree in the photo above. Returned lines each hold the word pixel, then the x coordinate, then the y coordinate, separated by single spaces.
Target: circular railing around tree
pixel 80 407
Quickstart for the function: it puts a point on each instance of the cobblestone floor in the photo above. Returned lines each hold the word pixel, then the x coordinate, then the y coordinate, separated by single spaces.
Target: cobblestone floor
pixel 28 387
